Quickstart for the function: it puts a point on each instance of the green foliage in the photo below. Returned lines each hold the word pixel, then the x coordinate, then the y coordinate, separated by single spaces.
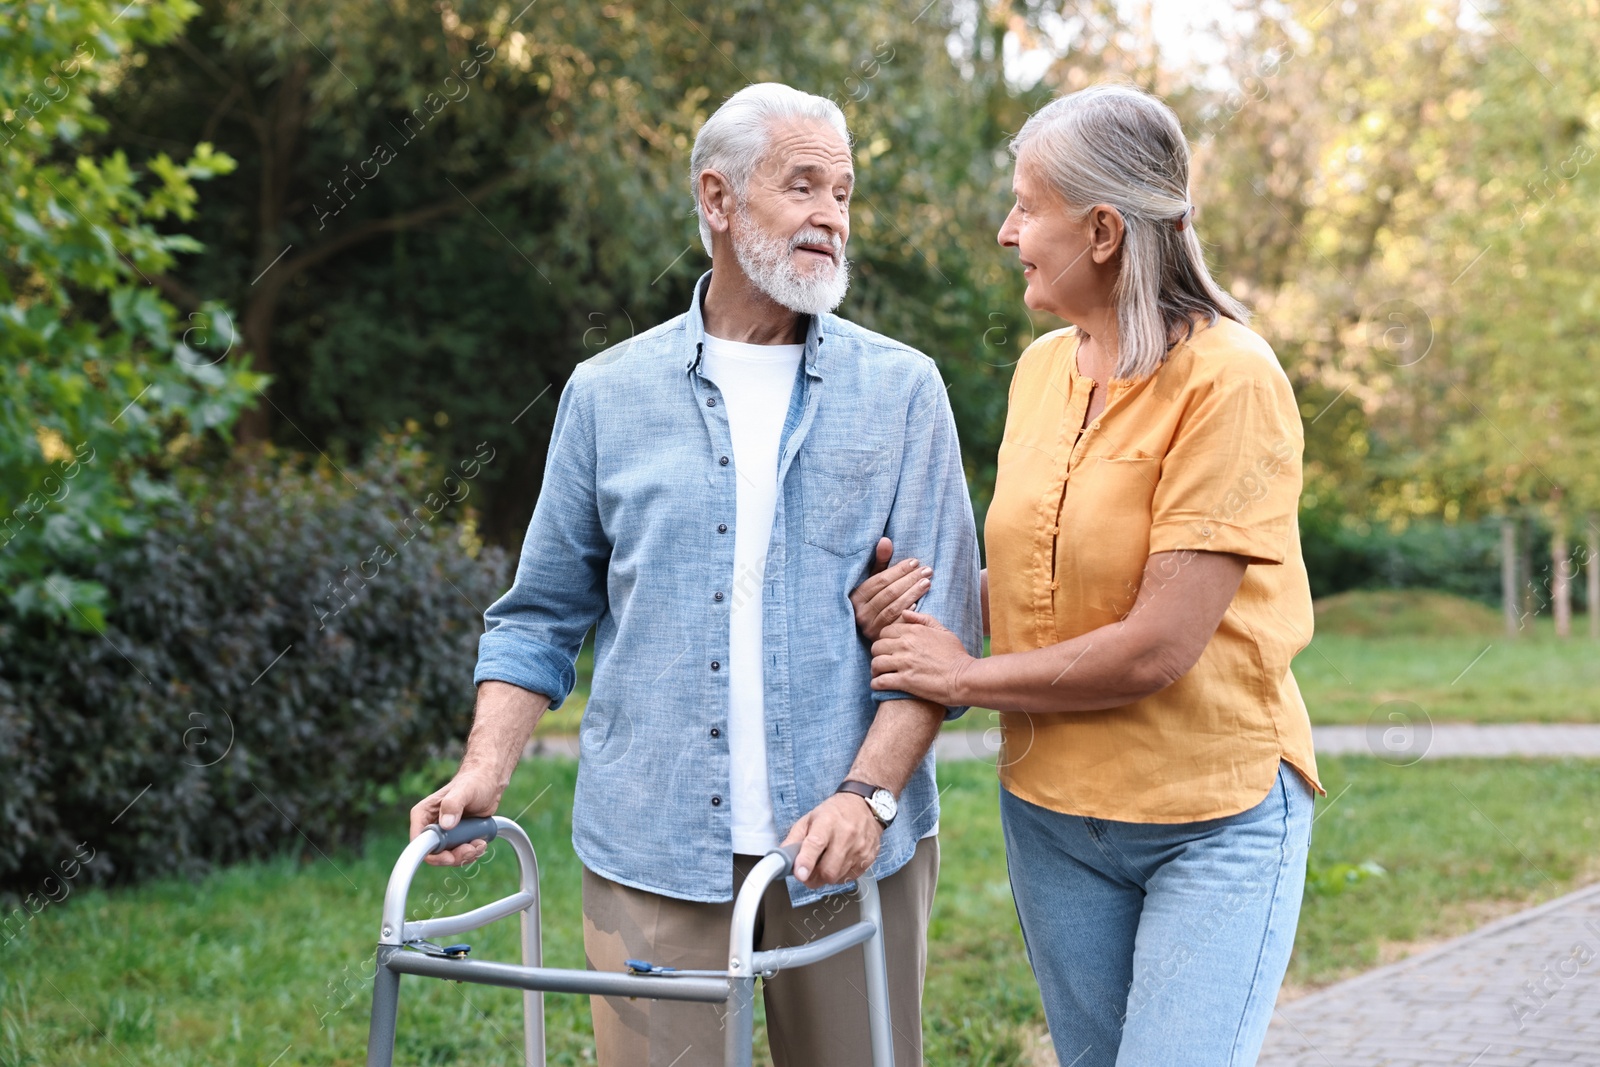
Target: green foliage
pixel 1462 559
pixel 282 649
pixel 542 211
pixel 105 386
pixel 1331 879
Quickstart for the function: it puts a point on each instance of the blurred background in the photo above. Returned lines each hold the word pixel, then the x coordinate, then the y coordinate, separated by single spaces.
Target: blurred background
pixel 288 294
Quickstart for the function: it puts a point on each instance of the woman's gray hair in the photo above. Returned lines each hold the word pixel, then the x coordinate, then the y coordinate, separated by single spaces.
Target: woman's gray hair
pixel 1118 145
pixel 733 140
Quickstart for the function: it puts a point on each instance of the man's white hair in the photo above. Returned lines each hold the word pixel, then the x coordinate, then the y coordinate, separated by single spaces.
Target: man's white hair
pixel 734 138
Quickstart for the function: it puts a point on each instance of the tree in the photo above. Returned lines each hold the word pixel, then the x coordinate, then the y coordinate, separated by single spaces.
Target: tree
pixel 409 237
pixel 107 386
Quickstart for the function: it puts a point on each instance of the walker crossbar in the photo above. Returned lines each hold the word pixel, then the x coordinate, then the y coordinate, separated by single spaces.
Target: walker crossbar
pixel 735 987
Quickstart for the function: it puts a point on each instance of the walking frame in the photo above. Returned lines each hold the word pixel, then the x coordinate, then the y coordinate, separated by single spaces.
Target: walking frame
pixel 409 948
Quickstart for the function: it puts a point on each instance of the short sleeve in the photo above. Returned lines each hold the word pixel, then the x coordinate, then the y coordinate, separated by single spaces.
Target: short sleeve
pixel 1230 482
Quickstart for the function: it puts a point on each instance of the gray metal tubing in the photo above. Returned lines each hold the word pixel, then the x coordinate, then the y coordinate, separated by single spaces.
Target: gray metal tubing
pixel 394 897
pixel 739 1023
pixel 878 1021
pixel 447 925
pixel 396 930
pixel 532 1000
pixel 385 1009
pixel 559 980
pixel 742 930
pixel 813 951
pixel 410 861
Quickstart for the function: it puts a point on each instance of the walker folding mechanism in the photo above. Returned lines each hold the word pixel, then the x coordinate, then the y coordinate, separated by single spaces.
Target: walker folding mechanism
pixel 410 948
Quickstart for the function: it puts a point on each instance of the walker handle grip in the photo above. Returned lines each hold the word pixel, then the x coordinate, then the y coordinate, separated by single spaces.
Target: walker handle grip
pixel 465 831
pixel 790 853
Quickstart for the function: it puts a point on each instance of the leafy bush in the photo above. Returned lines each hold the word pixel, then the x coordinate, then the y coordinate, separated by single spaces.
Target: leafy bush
pixel 105 383
pixel 279 651
pixel 1463 558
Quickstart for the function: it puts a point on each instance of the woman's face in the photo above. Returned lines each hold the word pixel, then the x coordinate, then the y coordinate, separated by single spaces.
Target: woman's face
pixel 1056 249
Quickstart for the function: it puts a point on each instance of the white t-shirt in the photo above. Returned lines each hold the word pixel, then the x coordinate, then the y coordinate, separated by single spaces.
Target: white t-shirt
pixel 756 381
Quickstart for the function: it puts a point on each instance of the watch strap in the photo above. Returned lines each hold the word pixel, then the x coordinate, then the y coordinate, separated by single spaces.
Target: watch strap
pixel 860 789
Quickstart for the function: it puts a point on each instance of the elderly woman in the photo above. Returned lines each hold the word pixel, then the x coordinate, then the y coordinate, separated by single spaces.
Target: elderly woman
pixel 1146 595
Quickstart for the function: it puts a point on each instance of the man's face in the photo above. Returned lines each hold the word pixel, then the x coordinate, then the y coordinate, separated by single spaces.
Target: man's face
pixel 790 228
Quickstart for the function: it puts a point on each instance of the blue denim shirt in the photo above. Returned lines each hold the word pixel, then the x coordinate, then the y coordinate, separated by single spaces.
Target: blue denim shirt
pixel 633 534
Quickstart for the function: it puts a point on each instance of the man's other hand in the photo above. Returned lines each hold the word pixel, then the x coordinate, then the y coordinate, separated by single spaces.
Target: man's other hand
pixel 469 793
pixel 888 591
pixel 839 841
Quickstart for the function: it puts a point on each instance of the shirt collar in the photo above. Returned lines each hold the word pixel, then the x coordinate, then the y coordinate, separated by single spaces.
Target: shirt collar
pixel 816 330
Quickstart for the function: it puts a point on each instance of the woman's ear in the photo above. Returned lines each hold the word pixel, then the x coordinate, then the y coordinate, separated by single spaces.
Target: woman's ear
pixel 1105 233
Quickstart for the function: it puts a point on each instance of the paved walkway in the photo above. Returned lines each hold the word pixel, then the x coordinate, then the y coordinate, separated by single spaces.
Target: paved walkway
pixel 1404 744
pixel 1396 743
pixel 1520 992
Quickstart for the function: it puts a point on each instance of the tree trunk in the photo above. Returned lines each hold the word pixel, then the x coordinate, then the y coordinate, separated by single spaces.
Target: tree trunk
pixel 1508 573
pixel 1593 576
pixel 1561 578
pixel 1530 591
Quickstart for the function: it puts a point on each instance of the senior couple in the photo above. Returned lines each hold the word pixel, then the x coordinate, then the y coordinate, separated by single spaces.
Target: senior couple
pixel 721 496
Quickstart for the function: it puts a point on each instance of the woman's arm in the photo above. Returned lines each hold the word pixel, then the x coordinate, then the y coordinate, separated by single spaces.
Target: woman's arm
pixel 1182 598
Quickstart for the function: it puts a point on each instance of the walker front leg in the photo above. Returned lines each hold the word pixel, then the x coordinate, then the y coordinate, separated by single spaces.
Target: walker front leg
pixel 385 1011
pixel 880 1026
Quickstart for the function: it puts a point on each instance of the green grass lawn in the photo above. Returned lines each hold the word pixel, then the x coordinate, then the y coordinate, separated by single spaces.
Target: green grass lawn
pixel 272 959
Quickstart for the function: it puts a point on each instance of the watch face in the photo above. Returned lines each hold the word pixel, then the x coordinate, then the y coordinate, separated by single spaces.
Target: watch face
pixel 884 806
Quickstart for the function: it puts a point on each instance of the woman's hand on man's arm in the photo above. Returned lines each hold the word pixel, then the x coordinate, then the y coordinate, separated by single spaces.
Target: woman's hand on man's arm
pixel 889 591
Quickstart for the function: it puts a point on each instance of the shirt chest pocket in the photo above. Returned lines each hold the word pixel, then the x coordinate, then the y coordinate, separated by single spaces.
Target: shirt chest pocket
pixel 846 493
pixel 1105 522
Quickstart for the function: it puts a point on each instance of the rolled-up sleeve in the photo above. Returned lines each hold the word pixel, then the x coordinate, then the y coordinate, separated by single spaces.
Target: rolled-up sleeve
pixel 931 519
pixel 1231 480
pixel 533 633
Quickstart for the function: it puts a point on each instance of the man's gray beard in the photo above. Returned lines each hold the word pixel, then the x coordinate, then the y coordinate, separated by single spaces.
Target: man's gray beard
pixel 768 261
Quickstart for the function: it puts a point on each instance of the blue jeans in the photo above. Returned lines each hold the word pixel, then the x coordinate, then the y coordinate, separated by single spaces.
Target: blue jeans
pixel 1157 944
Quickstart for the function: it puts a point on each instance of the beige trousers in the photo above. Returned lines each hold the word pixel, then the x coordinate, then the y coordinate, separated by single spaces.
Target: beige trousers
pixel 816 1015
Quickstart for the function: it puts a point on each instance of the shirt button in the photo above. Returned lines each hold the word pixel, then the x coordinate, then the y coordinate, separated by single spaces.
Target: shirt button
pixel 715 732
pixel 711 401
pixel 716 802
pixel 716 665
pixel 717 597
pixel 723 461
pixel 722 527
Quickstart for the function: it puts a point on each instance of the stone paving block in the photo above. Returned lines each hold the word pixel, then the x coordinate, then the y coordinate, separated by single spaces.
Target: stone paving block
pixel 1520 992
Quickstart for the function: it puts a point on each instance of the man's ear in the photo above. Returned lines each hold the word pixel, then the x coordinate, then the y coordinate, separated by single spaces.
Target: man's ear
pixel 715 193
pixel 1105 233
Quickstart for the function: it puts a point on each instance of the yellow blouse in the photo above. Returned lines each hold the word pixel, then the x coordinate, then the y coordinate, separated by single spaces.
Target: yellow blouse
pixel 1204 455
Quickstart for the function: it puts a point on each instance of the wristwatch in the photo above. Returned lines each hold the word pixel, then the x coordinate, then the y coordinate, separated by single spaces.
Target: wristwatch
pixel 882 802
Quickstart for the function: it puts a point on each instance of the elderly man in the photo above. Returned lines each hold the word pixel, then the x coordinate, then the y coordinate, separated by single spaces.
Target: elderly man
pixel 715 488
